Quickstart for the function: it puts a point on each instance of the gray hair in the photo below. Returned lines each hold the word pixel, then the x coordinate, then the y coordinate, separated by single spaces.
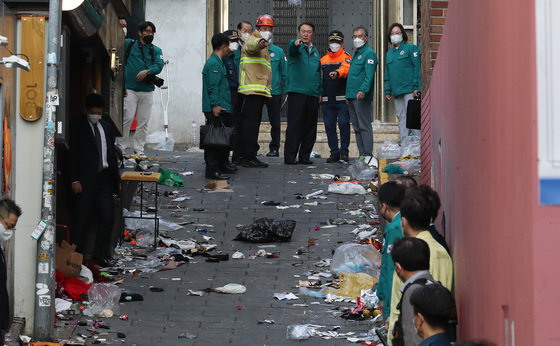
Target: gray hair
pixel 361 28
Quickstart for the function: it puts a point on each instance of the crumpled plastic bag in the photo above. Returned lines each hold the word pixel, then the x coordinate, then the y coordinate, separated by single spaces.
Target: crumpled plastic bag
pixel 356 258
pixel 267 230
pixel 389 150
pixel 103 296
pixel 352 284
pixel 360 170
pixel 231 289
pixel 299 331
pixel 170 178
pixel 346 188
pixel 410 145
pixel 412 165
pixel 162 142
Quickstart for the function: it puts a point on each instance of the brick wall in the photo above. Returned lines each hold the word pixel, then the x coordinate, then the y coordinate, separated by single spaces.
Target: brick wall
pixel 433 19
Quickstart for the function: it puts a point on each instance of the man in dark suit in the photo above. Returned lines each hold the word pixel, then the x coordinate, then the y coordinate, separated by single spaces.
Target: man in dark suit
pixel 95 176
pixel 9 214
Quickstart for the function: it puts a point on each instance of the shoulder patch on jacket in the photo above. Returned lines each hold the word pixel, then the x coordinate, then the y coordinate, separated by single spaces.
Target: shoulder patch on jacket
pixel 347 60
pixel 370 61
pixel 415 54
pixel 215 71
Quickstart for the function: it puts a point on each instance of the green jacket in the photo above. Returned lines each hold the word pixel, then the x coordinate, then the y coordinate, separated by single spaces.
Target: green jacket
pixel 304 70
pixel 215 87
pixel 403 70
pixel 137 62
pixel 278 61
pixel 361 74
pixel 393 231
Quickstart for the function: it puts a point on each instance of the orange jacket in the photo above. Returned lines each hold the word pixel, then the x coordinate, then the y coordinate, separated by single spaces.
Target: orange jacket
pixel 340 58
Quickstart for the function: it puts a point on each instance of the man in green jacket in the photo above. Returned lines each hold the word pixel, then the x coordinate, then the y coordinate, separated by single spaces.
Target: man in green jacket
pixel 216 105
pixel 304 91
pixel 144 61
pixel 390 196
pixel 359 90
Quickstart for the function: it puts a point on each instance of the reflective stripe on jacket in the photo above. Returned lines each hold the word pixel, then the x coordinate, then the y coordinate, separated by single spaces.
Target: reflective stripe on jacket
pixel 335 89
pixel 255 72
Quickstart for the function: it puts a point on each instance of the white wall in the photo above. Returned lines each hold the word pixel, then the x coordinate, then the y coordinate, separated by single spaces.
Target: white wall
pixel 27 171
pixel 181 34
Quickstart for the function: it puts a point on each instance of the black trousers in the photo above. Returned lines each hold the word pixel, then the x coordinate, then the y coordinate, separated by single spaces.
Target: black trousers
pixel 216 159
pixel 302 126
pixel 274 106
pixel 251 114
pixel 237 125
pixel 96 199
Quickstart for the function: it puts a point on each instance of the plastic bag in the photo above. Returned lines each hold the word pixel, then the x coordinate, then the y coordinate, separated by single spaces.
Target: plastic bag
pixel 164 225
pixel 356 258
pixel 389 150
pixel 347 188
pixel 161 141
pixel 102 296
pixel 170 178
pixel 360 170
pixel 267 230
pixel 412 165
pixel 315 294
pixel 231 289
pixel 352 284
pixel 145 237
pixel 299 331
pixel 410 145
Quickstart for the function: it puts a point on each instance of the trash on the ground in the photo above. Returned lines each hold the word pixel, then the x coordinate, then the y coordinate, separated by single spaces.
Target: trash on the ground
pixel 86 275
pixel 156 289
pixel 285 296
pixel 360 170
pixel 340 221
pixel 62 305
pixel 351 284
pixel 123 317
pixel 180 199
pixel 323 263
pixel 326 176
pixel 106 313
pixel 267 230
pixel 238 255
pixel 299 331
pixel 195 293
pixel 102 296
pixel 239 307
pixel 231 289
pixel 346 188
pixel 170 178
pixel 356 258
pixel 410 146
pixel 187 335
pixel 270 203
pixel 314 154
pixel 307 211
pixel 162 141
pixel 68 261
pixel 393 169
pixel 216 185
pixel 314 193
pixel 184 174
pixel 366 234
pixel 266 322
pixel 130 297
pixel 314 294
pixel 164 225
pixel 410 165
pixel 389 150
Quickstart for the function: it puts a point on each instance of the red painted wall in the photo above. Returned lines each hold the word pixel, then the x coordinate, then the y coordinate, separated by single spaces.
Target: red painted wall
pixel 484 111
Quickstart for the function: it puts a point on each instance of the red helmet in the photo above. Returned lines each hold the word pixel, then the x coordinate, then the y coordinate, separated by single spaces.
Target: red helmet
pixel 265 19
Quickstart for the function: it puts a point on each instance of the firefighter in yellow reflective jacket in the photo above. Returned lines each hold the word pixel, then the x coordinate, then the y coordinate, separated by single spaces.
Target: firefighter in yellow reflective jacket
pixel 255 77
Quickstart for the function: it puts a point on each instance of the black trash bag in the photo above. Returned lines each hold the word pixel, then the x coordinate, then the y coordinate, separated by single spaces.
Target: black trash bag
pixel 267 230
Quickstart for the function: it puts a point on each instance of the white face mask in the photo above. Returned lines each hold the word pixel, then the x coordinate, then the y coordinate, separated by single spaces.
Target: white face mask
pixel 396 39
pixel 233 46
pixel 334 47
pixel 124 30
pixel 5 234
pixel 245 36
pixel 267 35
pixel 94 118
pixel 358 42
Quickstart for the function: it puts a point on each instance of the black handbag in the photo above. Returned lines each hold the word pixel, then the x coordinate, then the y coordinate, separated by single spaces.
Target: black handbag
pixel 414 114
pixel 216 136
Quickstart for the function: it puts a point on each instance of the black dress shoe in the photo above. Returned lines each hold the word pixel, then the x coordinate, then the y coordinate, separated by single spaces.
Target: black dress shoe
pixel 290 162
pixel 333 158
pixel 254 163
pixel 273 153
pixel 228 170
pixel 306 161
pixel 237 161
pixel 232 165
pixel 344 157
pixel 216 176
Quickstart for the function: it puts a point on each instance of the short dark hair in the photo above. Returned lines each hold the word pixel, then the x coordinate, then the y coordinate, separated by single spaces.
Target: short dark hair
pixel 417 210
pixel 435 303
pixel 432 196
pixel 219 40
pixel 144 25
pixel 306 23
pixel 391 194
pixel 361 27
pixel 7 207
pixel 406 180
pixel 240 24
pixel 404 35
pixel 95 100
pixel 412 254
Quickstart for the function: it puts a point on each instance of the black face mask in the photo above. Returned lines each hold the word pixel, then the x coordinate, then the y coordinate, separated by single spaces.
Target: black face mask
pixel 148 39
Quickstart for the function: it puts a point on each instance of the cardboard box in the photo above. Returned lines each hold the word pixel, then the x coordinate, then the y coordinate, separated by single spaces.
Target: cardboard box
pixel 68 261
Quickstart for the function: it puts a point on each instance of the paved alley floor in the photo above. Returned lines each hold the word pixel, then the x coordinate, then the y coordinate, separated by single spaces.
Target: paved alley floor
pixel 164 317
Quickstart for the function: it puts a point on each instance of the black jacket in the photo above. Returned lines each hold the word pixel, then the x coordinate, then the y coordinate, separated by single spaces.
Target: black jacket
pixel 4 301
pixel 84 156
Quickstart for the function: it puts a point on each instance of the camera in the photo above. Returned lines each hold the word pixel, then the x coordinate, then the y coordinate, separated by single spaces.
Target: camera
pixel 155 80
